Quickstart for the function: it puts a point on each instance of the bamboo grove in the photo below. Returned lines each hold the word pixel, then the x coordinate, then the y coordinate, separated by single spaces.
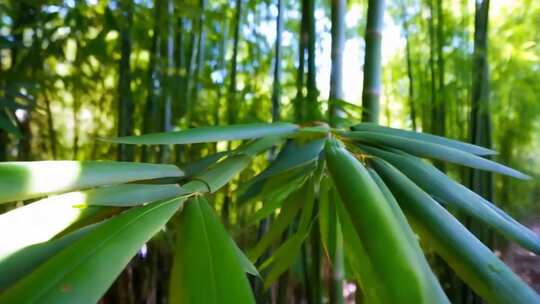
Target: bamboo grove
pixel 182 151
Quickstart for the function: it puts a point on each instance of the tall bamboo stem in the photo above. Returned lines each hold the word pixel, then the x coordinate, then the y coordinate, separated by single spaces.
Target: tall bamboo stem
pixel 372 62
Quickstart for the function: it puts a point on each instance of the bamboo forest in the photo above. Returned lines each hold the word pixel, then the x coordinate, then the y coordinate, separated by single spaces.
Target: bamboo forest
pixel 269 151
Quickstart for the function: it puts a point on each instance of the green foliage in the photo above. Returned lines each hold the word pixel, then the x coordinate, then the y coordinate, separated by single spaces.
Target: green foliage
pixel 210 134
pixel 206 267
pixel 25 180
pixel 84 270
pixel 189 67
pixel 335 190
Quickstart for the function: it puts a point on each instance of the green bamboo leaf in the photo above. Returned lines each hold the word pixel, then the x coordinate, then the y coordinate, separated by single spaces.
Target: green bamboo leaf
pixel 202 164
pixel 39 222
pixel 356 256
pixel 206 268
pixel 251 191
pixel 435 151
pixel 274 193
pixel 210 134
pixel 326 215
pixel 247 266
pixel 425 137
pixel 395 258
pixel 308 206
pixel 221 173
pixel 474 263
pixel 283 257
pixel 257 146
pixel 129 195
pixel 436 183
pixel 435 288
pixel 90 215
pixel 286 215
pixel 332 238
pixel 83 271
pixel 24 261
pixel 344 103
pixel 25 180
pixel 313 132
pixel 42 220
pixel 292 156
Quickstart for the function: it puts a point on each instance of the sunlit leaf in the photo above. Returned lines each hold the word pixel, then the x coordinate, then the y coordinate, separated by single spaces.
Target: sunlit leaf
pixel 83 271
pixel 24 261
pixel 25 180
pixel 42 220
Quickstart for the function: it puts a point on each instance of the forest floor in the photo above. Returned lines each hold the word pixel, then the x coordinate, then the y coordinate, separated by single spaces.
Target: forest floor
pixel 526 264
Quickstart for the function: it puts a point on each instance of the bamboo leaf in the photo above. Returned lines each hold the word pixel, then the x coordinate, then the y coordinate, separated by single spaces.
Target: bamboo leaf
pixel 247 266
pixel 425 137
pixel 129 195
pixel 252 190
pixel 307 216
pixel 25 180
pixel 82 272
pixel 292 156
pixel 202 164
pixel 283 257
pixel 275 192
pixel 42 220
pixel 257 146
pixel 286 215
pixel 89 216
pixel 433 181
pixel 356 256
pixel 210 134
pixel 473 262
pixel 326 215
pixel 221 173
pixel 435 288
pixel 401 271
pixel 435 151
pixel 206 267
pixel 24 261
pixel 332 239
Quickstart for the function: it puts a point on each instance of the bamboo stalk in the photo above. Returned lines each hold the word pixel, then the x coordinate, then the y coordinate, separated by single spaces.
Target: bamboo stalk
pixel 338 45
pixel 372 62
pixel 125 102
